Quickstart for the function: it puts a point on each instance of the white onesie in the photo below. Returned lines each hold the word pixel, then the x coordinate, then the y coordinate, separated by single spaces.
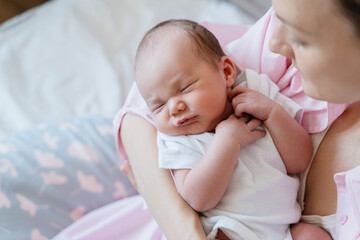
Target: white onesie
pixel 260 201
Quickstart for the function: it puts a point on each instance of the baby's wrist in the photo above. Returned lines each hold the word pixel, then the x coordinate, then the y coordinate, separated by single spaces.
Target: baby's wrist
pixel 228 140
pixel 274 110
pixel 231 143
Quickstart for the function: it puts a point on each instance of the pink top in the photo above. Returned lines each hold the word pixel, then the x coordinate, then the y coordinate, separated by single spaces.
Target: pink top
pixel 249 48
pixel 348 207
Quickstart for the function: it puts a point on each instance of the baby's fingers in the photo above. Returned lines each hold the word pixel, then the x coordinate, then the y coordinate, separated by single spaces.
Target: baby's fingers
pixel 232 116
pixel 258 134
pixel 243 118
pixel 237 90
pixel 254 123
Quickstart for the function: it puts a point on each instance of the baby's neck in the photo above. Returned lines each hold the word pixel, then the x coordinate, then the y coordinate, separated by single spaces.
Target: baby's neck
pixel 228 110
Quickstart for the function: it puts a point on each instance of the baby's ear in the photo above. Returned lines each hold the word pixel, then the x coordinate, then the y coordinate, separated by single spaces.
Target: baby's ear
pixel 229 70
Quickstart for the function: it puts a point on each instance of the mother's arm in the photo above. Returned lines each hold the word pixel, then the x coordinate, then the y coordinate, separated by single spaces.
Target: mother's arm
pixel 175 217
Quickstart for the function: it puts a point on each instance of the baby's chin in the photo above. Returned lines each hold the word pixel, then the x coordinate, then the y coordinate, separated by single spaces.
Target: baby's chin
pixel 187 130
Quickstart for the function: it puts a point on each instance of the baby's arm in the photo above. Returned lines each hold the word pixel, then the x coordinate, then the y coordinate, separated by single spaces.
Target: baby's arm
pixel 204 185
pixel 290 138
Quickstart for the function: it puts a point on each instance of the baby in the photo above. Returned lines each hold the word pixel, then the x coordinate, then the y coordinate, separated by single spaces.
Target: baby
pixel 233 144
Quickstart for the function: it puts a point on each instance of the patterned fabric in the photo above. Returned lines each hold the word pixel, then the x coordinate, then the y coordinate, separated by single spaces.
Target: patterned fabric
pixel 52 175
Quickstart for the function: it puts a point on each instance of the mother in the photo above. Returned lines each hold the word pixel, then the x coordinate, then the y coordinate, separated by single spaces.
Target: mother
pixel 322 38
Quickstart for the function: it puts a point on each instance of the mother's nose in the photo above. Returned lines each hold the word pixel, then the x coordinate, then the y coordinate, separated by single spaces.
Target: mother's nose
pixel 279 42
pixel 176 106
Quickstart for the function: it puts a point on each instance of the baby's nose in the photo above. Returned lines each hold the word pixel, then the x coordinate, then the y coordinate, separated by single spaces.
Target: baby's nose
pixel 176 107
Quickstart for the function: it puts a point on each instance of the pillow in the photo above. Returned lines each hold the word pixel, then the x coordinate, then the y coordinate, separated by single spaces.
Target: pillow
pixel 53 174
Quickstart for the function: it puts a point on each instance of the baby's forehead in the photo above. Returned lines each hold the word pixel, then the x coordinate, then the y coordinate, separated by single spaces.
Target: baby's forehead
pixel 166 34
pixel 157 41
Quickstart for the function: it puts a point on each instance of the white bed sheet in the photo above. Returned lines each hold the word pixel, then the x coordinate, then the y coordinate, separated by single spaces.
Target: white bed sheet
pixel 71 58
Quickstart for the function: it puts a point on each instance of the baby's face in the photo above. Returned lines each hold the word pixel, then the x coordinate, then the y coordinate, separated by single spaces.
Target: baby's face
pixel 185 94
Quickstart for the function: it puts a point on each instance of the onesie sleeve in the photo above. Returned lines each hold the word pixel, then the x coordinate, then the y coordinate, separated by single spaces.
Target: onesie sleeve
pixel 178 152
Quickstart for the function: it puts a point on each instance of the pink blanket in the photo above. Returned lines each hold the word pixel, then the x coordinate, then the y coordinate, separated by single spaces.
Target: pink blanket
pixel 128 219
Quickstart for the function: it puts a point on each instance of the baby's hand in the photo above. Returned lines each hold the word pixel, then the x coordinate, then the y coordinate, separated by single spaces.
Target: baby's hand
pixel 245 100
pixel 241 130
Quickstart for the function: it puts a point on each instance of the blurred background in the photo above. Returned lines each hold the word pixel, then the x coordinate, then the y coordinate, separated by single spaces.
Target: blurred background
pixel 10 8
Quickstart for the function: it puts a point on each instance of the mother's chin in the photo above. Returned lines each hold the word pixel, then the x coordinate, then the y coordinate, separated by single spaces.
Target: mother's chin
pixel 328 93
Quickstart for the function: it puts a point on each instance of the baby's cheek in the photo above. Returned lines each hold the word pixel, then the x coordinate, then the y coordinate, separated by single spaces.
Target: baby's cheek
pixel 163 125
pixel 158 122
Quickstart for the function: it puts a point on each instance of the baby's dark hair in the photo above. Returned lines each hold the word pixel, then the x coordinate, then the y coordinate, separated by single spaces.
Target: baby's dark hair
pixel 205 43
pixel 351 10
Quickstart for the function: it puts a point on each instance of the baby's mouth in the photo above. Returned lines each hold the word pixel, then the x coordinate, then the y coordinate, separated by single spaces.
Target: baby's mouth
pixel 186 121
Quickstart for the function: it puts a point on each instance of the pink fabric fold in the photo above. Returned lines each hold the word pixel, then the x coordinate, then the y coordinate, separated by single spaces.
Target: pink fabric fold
pixel 135 105
pixel 126 219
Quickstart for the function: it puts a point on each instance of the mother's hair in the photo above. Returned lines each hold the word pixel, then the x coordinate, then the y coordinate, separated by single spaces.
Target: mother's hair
pixel 351 10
